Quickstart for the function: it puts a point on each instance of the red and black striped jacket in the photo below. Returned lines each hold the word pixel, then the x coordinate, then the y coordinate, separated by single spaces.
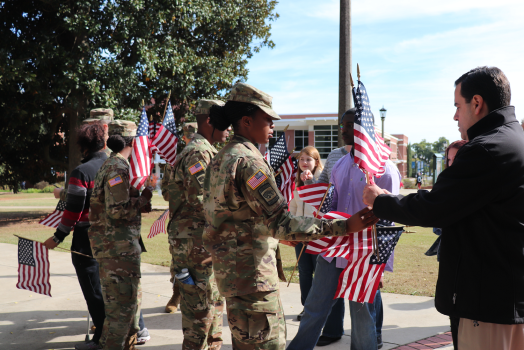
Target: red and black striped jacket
pixel 76 214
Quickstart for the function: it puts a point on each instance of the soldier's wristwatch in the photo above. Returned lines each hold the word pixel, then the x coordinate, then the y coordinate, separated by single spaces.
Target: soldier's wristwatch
pixel 56 239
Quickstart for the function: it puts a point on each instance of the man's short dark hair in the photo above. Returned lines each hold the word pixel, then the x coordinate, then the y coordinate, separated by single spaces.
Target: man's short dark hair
pixel 350 111
pixel 488 82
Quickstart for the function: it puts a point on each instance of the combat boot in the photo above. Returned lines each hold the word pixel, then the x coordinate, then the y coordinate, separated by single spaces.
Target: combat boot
pixel 172 305
pixel 130 342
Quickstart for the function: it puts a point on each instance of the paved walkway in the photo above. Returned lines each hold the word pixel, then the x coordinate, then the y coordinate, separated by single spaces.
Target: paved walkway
pixel 33 321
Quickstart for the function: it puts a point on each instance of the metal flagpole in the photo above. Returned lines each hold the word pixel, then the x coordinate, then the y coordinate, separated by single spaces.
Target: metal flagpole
pixel 304 244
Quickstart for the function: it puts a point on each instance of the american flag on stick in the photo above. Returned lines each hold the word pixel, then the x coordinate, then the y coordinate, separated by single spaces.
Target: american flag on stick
pixel 314 193
pixel 33 267
pixel 166 138
pixel 140 162
pixel 284 165
pixel 153 128
pixel 159 225
pixel 53 219
pixel 359 280
pixel 371 153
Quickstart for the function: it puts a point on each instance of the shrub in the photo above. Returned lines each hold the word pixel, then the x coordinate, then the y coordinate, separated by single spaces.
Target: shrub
pixel 41 185
pixel 409 183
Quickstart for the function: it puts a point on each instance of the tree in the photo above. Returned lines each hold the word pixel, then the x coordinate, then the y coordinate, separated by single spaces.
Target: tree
pixel 60 59
pixel 409 157
pixel 440 145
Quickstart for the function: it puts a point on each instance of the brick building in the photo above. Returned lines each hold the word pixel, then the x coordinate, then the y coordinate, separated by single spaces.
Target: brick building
pixel 321 131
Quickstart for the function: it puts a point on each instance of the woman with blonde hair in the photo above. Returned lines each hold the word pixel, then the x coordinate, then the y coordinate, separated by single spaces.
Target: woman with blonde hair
pixel 308 159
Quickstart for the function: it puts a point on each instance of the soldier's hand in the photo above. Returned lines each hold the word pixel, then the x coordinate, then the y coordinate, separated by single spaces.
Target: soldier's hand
pixel 361 220
pixel 306 175
pixel 147 193
pixel 50 243
pixel 146 208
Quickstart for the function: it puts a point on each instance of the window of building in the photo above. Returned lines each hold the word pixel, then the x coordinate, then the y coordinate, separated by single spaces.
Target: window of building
pixel 326 139
pixel 301 139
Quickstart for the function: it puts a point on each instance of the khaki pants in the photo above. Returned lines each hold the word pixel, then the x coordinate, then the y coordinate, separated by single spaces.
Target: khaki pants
pixel 476 335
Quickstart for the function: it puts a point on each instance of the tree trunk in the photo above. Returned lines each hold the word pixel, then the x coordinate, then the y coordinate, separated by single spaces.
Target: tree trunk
pixel 74 150
pixel 344 85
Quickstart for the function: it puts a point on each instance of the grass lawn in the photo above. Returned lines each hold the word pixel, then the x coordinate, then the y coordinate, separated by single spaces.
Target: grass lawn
pixel 414 273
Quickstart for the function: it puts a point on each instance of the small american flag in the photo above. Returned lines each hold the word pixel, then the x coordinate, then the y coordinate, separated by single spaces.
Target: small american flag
pixel 159 225
pixel 255 180
pixel 285 165
pixel 313 194
pixel 277 155
pixel 33 267
pixel 371 153
pixel 359 280
pixel 140 162
pixel 166 139
pixel 53 219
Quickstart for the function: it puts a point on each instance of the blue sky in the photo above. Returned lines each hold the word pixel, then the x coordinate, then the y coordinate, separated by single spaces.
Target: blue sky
pixel 410 53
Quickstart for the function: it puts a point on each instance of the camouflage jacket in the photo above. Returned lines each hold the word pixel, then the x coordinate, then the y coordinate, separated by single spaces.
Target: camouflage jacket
pixel 185 189
pixel 246 215
pixel 115 211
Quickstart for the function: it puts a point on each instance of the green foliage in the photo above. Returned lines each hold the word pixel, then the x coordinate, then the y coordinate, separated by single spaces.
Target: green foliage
pixel 424 150
pixel 59 59
pixel 440 145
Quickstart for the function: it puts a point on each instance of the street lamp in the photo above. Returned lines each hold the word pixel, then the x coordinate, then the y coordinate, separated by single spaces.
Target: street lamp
pixel 383 117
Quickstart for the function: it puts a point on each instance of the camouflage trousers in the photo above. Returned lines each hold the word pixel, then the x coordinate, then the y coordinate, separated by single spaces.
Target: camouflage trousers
pixel 201 304
pixel 120 281
pixel 257 321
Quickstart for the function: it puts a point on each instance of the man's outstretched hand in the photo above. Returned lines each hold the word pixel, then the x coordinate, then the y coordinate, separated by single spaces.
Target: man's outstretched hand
pixel 371 192
pixel 361 220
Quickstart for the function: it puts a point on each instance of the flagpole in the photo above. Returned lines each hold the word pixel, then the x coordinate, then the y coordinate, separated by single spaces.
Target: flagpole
pixel 374 227
pixel 167 102
pixel 305 244
pixel 67 250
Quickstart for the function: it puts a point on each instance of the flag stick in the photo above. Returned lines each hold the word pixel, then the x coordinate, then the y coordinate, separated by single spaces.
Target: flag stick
pixel 358 71
pixel 143 103
pixel 167 102
pixel 305 244
pixel 285 129
pixel 67 250
pixel 351 80
pixel 374 228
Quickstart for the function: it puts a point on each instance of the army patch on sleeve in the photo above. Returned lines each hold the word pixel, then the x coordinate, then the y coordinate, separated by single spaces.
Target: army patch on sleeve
pixel 268 193
pixel 200 179
pixel 115 181
pixel 195 168
pixel 257 179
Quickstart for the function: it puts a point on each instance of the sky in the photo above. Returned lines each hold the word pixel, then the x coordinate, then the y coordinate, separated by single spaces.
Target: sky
pixel 410 54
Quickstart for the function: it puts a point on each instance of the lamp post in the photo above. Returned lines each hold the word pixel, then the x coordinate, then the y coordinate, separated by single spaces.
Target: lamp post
pixel 383 117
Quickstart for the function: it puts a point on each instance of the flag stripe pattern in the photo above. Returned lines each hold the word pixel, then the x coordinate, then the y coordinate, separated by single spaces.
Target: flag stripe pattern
pixel 166 139
pixel 285 165
pixel 153 128
pixel 54 219
pixel 371 153
pixel 33 267
pixel 159 225
pixel 140 162
pixel 312 194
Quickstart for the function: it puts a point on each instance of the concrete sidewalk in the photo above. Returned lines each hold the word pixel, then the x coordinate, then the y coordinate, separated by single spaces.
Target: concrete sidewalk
pixel 33 321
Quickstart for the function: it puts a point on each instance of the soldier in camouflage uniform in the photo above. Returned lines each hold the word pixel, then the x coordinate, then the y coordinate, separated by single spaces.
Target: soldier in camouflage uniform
pixel 189 130
pixel 246 216
pixel 114 236
pixel 201 304
pixel 102 115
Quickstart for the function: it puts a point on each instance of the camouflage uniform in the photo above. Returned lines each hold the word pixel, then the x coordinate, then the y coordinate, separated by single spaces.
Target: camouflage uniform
pixel 114 235
pixel 246 215
pixel 201 304
pixel 105 115
pixel 190 129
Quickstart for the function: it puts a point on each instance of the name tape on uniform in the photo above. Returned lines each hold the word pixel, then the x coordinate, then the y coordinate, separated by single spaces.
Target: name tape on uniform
pixel 258 178
pixel 195 168
pixel 115 181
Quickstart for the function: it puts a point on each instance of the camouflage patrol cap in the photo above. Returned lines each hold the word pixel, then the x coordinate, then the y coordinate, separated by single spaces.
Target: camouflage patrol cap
pixel 190 129
pixel 105 115
pixel 122 127
pixel 243 92
pixel 203 106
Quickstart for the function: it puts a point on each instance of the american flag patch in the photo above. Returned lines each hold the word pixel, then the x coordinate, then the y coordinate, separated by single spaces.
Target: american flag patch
pixel 196 168
pixel 255 180
pixel 115 181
